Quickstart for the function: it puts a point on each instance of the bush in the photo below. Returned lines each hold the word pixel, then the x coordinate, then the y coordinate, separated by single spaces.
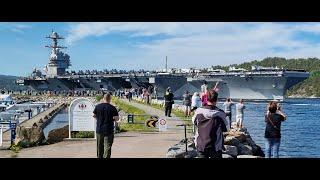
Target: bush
pixel 15 148
pixel 82 134
pixel 99 97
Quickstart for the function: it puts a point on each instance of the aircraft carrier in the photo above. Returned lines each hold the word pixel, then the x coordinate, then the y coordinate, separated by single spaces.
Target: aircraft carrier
pixel 258 84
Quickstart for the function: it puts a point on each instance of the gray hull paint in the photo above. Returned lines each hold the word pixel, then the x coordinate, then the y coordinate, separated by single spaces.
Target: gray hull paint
pixel 236 87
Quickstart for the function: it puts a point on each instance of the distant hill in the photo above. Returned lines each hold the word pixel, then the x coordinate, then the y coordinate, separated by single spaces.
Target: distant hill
pixel 307 88
pixel 8 83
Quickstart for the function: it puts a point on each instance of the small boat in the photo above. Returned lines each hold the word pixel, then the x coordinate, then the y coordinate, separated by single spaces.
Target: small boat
pixel 6 102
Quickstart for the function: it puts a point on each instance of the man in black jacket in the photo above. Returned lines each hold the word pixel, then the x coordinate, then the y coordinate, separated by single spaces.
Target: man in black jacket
pixel 168 98
pixel 210 122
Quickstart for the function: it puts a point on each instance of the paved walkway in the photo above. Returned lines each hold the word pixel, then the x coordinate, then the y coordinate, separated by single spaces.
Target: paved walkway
pixel 126 145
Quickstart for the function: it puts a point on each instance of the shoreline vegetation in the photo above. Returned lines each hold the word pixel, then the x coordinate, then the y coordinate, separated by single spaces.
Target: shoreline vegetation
pixel 309 88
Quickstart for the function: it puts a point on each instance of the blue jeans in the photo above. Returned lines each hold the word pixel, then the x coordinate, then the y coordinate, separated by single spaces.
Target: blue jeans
pixel 272 145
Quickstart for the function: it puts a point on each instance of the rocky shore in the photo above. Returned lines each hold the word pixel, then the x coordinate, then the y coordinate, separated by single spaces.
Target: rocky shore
pixel 237 142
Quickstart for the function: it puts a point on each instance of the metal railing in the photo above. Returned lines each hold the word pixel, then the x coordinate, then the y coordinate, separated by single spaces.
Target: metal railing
pixel 131 117
pixel 8 125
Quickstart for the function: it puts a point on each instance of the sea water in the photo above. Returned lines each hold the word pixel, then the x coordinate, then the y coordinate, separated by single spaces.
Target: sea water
pixel 300 132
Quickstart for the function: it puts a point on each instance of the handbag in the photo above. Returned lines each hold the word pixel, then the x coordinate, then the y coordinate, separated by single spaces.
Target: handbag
pixel 274 126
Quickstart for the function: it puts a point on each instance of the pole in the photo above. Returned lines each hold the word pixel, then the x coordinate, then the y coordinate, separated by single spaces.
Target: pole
pixel 1 131
pixel 69 113
pixel 185 138
pixel 166 64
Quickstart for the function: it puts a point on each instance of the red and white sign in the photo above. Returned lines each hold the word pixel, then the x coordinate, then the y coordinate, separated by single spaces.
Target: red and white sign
pixel 162 125
pixel 163 122
pixel 80 115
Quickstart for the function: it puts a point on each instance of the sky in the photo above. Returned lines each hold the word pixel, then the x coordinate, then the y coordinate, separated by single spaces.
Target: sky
pixel 145 45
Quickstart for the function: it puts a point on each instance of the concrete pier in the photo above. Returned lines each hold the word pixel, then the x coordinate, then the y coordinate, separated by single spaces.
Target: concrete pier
pixel 45 116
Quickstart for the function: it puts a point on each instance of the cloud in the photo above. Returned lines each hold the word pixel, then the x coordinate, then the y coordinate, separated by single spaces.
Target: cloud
pixel 198 44
pixel 15 27
pixel 83 30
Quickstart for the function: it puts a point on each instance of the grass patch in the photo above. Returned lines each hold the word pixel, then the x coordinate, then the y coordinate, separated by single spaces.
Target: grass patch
pixel 176 112
pixel 139 121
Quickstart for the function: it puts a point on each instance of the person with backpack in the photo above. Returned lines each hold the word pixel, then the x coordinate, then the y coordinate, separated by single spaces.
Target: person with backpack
pixel 187 103
pixel 210 123
pixel 273 120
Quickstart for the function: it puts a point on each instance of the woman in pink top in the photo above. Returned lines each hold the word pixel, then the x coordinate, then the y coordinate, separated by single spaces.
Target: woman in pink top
pixel 204 98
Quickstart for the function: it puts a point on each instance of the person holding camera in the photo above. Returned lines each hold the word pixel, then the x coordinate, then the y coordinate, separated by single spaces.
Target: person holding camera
pixel 273 120
pixel 227 109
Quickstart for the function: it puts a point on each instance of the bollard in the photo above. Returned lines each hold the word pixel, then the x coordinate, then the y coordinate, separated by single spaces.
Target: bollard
pixel 185 138
pixel 130 118
pixel 13 131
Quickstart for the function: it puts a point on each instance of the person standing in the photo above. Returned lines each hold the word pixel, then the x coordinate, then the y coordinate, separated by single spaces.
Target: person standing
pixel 195 104
pixel 273 120
pixel 227 109
pixel 155 92
pixel 195 101
pixel 187 103
pixel 210 122
pixel 105 114
pixel 239 117
pixel 204 97
pixel 129 96
pixel 168 98
pixel 204 87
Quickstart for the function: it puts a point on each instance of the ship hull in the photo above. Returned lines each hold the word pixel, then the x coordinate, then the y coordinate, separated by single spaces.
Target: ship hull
pixel 235 87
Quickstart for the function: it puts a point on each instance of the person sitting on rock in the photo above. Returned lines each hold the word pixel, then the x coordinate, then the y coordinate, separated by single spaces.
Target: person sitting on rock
pixel 210 123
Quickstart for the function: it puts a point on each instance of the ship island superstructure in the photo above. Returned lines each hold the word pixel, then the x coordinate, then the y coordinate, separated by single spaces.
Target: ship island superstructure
pixel 58 61
pixel 260 83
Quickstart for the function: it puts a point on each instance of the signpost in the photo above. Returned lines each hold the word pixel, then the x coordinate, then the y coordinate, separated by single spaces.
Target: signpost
pixel 81 116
